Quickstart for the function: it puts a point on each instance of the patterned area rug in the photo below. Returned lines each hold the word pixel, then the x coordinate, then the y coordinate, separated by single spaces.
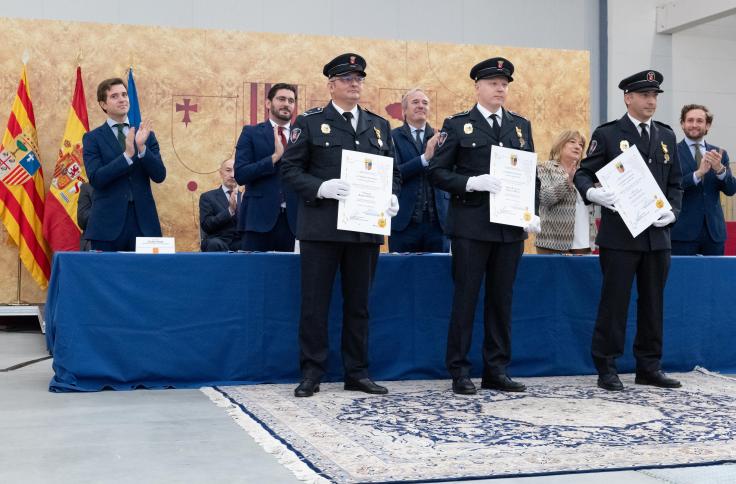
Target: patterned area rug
pixel 421 431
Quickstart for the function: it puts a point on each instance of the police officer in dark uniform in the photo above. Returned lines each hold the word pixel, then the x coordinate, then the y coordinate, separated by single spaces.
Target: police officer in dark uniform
pixel 311 166
pixel 480 248
pixel 623 257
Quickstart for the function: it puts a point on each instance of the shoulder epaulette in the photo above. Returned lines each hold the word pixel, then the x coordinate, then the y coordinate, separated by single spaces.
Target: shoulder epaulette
pixel 660 123
pixel 373 114
pixel 609 123
pixel 312 111
pixel 457 115
pixel 517 115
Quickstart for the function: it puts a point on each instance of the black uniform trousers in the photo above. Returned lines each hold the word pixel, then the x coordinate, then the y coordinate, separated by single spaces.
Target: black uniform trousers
pixel 471 261
pixel 619 268
pixel 319 264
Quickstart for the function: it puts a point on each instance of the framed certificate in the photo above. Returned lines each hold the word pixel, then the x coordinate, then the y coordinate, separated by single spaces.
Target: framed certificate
pixel 517 170
pixel 639 200
pixel 371 178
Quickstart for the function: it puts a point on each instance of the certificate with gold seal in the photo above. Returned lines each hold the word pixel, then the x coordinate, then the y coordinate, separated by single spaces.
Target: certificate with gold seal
pixel 370 178
pixel 639 200
pixel 517 170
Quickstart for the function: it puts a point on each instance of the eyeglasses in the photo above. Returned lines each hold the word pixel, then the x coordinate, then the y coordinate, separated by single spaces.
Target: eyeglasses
pixel 350 79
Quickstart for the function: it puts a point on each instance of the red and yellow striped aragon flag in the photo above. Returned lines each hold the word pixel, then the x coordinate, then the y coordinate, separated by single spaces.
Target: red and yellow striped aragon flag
pixel 60 225
pixel 21 186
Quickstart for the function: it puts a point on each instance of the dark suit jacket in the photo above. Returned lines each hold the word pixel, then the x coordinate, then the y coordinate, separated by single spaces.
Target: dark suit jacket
pixel 663 163
pixel 84 207
pixel 253 168
pixel 314 156
pixel 214 217
pixel 408 157
pixel 114 182
pixel 701 203
pixel 466 152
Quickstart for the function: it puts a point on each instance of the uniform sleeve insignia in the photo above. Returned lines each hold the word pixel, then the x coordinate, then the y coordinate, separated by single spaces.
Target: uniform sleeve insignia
pixel 312 111
pixel 295 133
pixel 442 138
pixel 592 147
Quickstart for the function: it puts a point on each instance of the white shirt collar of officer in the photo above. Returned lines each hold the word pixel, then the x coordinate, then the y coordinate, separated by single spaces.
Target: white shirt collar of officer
pixel 636 122
pixel 487 114
pixel 341 110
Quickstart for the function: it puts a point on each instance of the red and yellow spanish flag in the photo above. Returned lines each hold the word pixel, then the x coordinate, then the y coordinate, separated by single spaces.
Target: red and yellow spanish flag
pixel 21 186
pixel 60 218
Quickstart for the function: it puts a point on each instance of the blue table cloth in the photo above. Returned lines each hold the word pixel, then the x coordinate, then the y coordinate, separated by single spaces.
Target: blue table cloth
pixel 126 321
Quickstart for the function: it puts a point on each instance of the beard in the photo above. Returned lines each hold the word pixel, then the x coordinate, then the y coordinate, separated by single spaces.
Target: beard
pixel 276 113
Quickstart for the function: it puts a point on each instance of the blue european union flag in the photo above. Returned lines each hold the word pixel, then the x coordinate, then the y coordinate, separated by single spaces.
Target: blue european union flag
pixel 134 114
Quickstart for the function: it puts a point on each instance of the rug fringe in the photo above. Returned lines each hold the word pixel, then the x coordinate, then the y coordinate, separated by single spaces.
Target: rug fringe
pixel 708 372
pixel 285 456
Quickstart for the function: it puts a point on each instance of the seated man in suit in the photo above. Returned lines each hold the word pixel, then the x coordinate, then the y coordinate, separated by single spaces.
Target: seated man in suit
pixel 268 212
pixel 419 224
pixel 218 213
pixel 701 227
pixel 121 160
pixel 84 205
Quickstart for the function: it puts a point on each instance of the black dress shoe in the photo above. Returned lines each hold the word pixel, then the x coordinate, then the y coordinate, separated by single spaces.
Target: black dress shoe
pixel 365 385
pixel 307 388
pixel 657 379
pixel 610 382
pixel 463 386
pixel 501 382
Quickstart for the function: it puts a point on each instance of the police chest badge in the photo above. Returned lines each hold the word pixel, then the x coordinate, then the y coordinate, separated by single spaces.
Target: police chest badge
pixel 522 143
pixel 325 128
pixel 468 128
pixel 666 152
pixel 624 145
pixel 378 136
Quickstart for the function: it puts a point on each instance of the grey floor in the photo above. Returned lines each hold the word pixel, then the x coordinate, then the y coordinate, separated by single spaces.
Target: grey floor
pixel 164 436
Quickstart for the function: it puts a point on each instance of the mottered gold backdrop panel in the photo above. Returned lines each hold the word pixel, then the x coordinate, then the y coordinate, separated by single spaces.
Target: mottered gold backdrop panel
pixel 201 86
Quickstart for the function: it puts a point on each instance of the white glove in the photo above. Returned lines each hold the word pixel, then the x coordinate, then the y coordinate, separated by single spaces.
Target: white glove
pixel 393 209
pixel 534 226
pixel 483 183
pixel 665 219
pixel 334 188
pixel 601 196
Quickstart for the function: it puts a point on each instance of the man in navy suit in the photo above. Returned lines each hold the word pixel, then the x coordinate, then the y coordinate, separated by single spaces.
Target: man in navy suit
pixel 121 161
pixel 701 227
pixel 419 224
pixel 218 211
pixel 268 209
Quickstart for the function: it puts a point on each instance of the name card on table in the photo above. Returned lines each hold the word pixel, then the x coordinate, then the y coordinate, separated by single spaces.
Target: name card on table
pixel 154 245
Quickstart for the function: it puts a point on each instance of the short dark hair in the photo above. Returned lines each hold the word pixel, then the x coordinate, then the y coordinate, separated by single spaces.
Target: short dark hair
pixel 105 86
pixel 689 107
pixel 278 86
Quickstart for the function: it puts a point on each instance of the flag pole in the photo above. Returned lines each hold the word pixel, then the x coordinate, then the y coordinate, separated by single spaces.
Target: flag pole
pixel 17 288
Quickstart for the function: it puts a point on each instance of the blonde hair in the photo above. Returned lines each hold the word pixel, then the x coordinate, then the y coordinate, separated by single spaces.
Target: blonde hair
pixel 561 140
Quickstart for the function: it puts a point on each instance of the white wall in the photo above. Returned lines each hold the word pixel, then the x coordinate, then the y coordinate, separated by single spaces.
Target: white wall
pixel 559 24
pixel 698 62
pixel 704 70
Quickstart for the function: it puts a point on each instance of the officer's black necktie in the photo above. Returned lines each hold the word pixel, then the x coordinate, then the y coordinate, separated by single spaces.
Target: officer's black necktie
pixel 349 118
pixel 644 137
pixel 121 134
pixel 418 138
pixel 496 126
